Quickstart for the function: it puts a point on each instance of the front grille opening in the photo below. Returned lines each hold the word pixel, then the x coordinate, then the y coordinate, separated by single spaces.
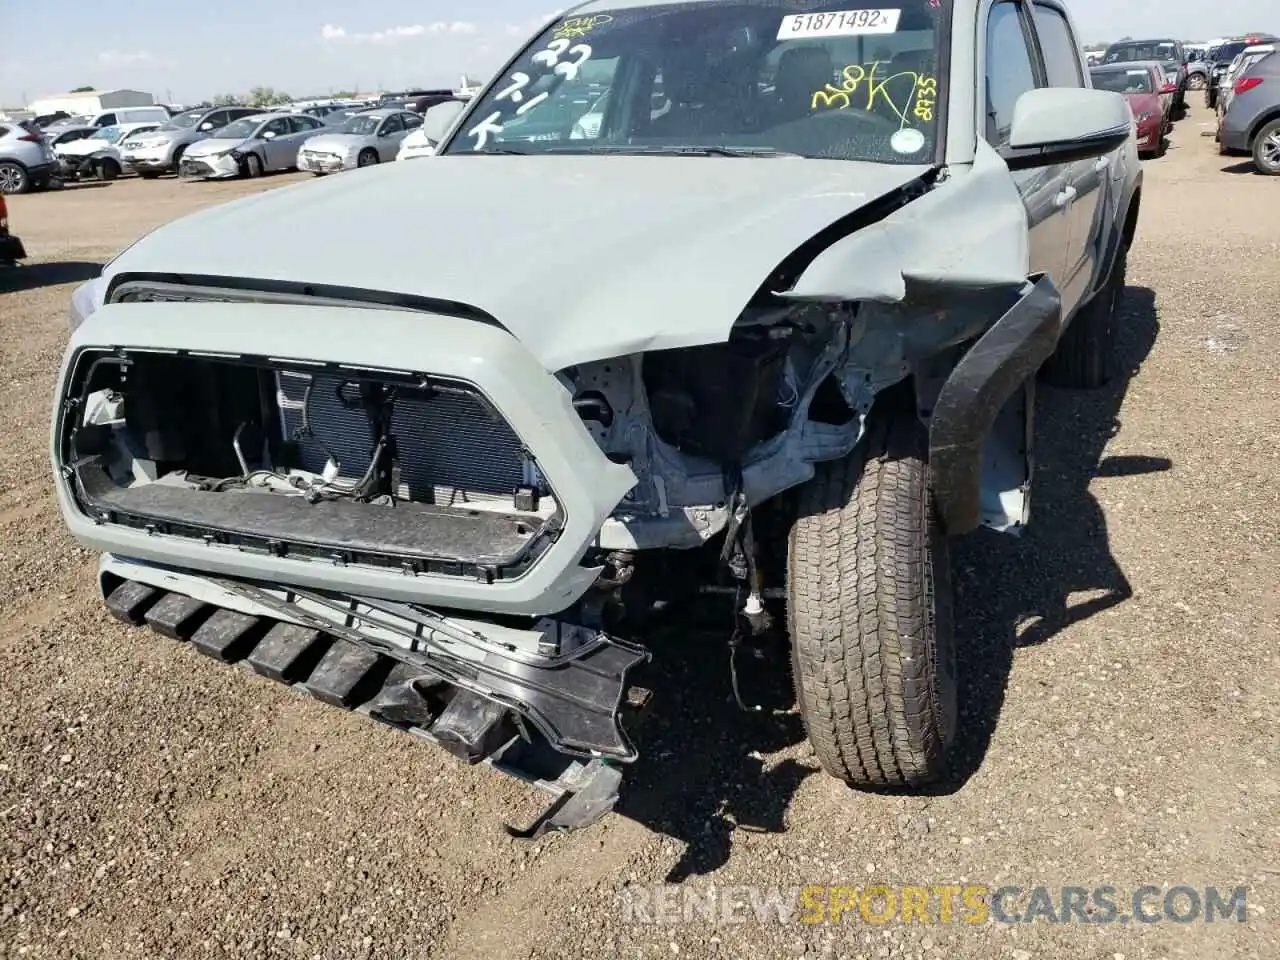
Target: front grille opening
pixel 344 464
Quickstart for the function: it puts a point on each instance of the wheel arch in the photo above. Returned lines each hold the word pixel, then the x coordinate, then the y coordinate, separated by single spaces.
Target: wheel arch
pixel 1267 117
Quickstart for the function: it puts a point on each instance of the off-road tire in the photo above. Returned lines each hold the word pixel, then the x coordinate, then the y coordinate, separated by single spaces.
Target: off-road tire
pixel 869 613
pixel 1085 354
pixel 1266 149
pixel 16 179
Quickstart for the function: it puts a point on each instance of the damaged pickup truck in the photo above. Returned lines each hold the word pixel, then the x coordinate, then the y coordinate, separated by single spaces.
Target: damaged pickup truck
pixel 428 440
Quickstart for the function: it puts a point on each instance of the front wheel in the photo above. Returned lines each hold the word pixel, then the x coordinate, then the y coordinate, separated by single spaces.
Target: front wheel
pixel 1266 149
pixel 1195 82
pixel 252 166
pixel 367 158
pixel 869 613
pixel 108 169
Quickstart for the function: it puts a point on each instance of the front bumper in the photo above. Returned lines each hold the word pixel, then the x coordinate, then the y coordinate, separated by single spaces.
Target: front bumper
pixel 586 484
pixel 149 161
pixel 11 249
pixel 209 167
pixel 997 366
pixel 1149 134
pixel 549 705
pixel 416 153
pixel 323 162
pixel 69 168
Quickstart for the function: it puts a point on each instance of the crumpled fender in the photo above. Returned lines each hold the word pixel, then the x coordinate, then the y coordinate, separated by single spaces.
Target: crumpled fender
pixel 970 232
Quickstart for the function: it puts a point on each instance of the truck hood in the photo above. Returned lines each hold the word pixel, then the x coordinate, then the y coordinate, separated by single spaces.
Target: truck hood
pixel 82 148
pixel 580 257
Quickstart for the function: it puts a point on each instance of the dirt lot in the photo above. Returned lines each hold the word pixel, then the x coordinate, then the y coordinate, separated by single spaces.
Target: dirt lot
pixel 1120 666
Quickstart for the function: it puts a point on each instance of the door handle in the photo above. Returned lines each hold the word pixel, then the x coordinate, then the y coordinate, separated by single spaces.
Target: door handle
pixel 1065 197
pixel 1102 164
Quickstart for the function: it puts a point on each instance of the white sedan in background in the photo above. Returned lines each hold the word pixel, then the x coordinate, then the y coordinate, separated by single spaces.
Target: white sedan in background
pixel 416 145
pixel 363 140
pixel 98 154
pixel 250 147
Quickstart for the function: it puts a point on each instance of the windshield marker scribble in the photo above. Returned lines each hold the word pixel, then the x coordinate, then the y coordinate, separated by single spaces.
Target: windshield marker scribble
pixel 920 99
pixel 579 27
pixel 561 57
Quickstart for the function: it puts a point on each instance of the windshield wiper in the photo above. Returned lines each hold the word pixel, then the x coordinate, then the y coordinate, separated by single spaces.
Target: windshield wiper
pixel 675 150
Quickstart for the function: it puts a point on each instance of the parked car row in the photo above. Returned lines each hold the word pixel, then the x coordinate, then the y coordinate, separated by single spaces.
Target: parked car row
pixel 1168 54
pixel 154 140
pixel 1222 57
pixel 1248 105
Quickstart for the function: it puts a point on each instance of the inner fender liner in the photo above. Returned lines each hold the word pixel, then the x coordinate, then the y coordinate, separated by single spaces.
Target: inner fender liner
pixel 1013 349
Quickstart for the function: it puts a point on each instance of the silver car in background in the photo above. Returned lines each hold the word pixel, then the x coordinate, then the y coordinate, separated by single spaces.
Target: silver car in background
pixel 365 139
pixel 26 160
pixel 161 151
pixel 250 147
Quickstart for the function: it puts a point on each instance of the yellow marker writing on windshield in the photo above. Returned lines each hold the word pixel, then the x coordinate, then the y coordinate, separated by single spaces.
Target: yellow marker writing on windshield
pixel 580 26
pixel 926 97
pixel 839 97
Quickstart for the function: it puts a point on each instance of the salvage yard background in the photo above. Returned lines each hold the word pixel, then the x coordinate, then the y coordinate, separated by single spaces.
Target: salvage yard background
pixel 1120 671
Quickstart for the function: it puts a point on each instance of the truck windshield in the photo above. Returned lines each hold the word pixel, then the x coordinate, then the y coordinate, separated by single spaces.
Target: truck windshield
pixel 811 78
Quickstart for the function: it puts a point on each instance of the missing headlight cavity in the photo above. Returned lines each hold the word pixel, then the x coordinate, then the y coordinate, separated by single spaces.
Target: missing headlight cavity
pixel 353 465
pixel 718 401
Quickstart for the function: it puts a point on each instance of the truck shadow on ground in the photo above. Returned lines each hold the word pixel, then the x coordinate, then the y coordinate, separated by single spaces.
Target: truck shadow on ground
pixel 702 776
pixel 1014 593
pixel 35 275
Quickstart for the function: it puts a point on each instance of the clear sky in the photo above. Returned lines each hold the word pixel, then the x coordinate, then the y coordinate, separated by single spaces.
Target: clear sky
pixel 188 51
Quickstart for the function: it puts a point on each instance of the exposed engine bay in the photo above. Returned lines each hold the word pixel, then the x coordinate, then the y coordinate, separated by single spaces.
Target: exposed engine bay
pixel 344 464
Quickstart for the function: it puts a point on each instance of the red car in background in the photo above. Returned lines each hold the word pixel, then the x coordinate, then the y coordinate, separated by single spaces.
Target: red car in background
pixel 1150 97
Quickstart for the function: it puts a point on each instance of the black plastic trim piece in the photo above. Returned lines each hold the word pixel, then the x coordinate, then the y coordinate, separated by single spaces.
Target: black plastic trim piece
pixel 996 366
pixel 1030 158
pixel 11 248
pixel 198 288
pixel 414 537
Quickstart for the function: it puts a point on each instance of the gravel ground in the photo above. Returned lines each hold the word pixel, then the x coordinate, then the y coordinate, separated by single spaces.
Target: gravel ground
pixel 1121 670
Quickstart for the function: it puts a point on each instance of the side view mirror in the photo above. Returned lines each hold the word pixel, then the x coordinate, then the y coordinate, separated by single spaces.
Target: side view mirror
pixel 1053 125
pixel 437 120
pixel 269 135
pixel 1169 88
pixel 205 126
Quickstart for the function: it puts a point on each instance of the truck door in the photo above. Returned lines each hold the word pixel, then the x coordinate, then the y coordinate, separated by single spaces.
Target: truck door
pixel 1086 181
pixel 1011 70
